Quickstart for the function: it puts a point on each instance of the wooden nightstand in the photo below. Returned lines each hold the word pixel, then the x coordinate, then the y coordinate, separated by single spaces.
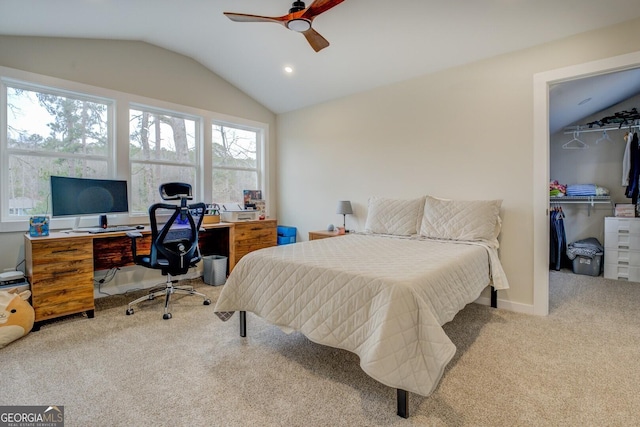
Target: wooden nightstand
pixel 323 234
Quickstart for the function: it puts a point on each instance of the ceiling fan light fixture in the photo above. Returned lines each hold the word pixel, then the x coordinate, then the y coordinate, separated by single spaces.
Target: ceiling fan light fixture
pixel 299 25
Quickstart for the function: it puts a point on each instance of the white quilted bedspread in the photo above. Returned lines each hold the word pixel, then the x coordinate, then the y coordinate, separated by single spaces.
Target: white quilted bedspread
pixel 383 298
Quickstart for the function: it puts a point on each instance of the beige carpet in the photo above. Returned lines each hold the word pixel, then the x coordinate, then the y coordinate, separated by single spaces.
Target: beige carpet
pixel 578 366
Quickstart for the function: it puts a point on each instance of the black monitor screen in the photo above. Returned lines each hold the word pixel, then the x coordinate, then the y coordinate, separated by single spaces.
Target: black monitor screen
pixel 82 196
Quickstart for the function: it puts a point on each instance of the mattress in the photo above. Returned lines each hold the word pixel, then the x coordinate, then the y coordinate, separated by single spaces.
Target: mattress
pixel 383 298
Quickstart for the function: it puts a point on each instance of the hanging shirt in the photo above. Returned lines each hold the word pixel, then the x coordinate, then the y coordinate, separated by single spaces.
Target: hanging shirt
pixel 634 175
pixel 626 160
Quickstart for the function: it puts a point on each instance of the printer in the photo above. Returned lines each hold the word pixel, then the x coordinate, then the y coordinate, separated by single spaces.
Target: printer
pixel 10 280
pixel 233 212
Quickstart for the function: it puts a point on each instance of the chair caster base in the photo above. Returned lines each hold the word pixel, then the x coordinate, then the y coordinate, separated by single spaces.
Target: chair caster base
pixel 166 316
pixel 129 311
pixel 206 302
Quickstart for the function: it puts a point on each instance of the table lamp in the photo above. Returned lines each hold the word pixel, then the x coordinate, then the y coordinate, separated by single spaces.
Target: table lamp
pixel 344 209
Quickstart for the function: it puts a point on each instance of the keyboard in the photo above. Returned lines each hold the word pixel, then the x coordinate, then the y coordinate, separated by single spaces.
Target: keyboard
pixel 112 229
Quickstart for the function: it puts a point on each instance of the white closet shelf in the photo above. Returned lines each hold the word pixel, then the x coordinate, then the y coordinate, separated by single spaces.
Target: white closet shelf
pixel 590 201
pixel 581 199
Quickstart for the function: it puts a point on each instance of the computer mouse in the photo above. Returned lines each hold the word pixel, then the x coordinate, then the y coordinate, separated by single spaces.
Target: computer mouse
pixel 139 227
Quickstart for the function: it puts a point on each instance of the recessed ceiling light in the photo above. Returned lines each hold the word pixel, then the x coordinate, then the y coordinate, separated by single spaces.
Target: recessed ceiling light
pixel 584 101
pixel 288 70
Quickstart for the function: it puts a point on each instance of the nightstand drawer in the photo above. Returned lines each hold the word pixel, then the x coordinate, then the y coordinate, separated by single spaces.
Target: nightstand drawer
pixel 323 234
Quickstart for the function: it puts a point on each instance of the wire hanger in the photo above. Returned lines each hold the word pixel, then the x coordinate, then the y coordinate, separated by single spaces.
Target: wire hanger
pixel 580 144
pixel 604 137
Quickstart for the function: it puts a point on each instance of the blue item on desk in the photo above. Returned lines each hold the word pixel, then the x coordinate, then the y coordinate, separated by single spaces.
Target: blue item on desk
pixel 39 226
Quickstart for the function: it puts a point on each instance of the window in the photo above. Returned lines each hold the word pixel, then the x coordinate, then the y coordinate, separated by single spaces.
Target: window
pixel 236 162
pixel 51 132
pixel 163 147
pixel 50 127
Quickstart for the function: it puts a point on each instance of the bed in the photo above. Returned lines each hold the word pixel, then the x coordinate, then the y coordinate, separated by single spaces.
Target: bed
pixel 383 294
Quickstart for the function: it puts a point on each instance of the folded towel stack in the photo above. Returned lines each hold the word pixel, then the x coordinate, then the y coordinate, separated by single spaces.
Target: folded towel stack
pixel 581 190
pixel 586 190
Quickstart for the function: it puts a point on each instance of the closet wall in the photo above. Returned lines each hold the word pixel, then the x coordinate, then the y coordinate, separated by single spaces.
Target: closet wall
pixel 600 163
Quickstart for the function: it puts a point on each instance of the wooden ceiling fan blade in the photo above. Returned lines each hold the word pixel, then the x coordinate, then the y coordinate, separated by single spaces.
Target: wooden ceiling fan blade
pixel 316 41
pixel 318 7
pixel 243 17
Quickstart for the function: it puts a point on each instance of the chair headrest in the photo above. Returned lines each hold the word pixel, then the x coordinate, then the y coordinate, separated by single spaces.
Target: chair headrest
pixel 176 191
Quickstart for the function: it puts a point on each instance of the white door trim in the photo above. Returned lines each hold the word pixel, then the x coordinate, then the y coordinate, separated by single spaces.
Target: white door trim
pixel 541 83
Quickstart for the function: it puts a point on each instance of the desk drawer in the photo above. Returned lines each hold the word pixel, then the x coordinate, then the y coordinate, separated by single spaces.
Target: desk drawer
pixel 47 252
pixel 74 270
pixel 256 231
pixel 56 304
pixel 251 236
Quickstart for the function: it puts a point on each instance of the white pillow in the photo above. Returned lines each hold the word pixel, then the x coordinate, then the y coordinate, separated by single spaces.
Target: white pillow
pixel 394 216
pixel 461 219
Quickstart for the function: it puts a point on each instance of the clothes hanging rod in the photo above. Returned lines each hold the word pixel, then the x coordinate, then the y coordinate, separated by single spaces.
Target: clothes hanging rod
pixel 583 129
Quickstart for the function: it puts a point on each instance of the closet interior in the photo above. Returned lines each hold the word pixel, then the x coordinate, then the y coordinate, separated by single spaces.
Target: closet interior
pixel 595 177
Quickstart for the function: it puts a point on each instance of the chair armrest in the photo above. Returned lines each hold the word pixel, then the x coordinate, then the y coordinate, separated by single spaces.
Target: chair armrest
pixel 134 235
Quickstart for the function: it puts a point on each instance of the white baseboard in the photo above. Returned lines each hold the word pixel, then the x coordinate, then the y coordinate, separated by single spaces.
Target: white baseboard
pixel 508 305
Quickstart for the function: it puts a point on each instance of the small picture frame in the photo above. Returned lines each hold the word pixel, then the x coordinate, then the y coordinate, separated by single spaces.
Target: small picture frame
pixel 250 196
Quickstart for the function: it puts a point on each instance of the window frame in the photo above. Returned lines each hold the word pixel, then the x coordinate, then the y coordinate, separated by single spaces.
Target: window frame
pixel 122 102
pixel 199 148
pixel 260 156
pixel 7 152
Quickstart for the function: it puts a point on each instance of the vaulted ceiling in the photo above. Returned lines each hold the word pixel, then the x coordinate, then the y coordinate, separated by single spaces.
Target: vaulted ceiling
pixel 372 42
pixel 570 102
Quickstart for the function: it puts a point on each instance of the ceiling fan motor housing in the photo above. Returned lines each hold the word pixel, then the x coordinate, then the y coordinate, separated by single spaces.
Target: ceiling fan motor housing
pixel 297 6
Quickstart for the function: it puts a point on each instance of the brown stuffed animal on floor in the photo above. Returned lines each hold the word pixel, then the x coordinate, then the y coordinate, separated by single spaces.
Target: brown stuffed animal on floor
pixel 16 316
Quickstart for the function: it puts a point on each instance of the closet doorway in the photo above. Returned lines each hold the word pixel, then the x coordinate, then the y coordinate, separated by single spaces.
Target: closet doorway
pixel 541 160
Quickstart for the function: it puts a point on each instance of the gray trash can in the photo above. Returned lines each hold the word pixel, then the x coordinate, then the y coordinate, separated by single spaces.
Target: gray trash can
pixel 215 270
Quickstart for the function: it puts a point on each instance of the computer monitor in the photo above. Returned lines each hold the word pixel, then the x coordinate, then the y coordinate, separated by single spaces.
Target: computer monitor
pixel 84 196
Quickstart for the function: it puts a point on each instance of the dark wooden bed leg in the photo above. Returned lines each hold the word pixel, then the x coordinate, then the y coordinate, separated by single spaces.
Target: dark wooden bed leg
pixel 243 323
pixel 494 297
pixel 403 403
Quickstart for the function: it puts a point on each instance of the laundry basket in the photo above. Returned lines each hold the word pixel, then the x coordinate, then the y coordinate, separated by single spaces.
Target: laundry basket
pixel 586 256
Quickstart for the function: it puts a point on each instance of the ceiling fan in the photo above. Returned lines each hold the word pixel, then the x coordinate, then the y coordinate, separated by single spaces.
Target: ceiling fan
pixel 298 19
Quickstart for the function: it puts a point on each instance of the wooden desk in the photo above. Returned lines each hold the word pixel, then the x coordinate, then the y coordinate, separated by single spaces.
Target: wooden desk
pixel 60 267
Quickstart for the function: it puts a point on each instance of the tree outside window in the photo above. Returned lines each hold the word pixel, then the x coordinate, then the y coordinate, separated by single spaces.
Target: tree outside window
pixel 52 133
pixel 236 162
pixel 162 148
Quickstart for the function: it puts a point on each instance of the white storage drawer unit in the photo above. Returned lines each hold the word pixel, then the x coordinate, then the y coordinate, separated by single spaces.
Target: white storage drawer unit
pixel 622 248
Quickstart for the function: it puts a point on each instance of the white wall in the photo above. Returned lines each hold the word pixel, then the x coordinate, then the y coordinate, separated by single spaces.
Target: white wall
pixel 464 133
pixel 137 68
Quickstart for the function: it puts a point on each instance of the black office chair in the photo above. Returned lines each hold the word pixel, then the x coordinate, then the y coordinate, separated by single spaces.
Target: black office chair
pixel 174 242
